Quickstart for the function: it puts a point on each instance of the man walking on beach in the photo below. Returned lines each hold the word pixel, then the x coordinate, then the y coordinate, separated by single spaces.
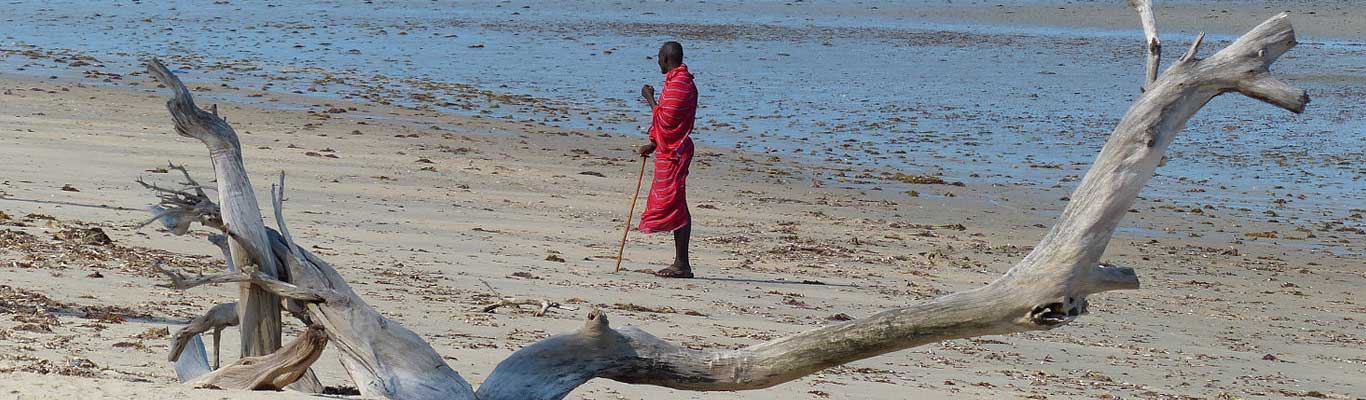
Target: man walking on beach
pixel 666 210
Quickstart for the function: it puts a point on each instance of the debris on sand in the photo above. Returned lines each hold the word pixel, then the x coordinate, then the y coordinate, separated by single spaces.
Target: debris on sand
pixel 923 180
pixel 71 367
pixel 92 236
pixel 91 248
pixel 840 317
pixel 956 227
pixel 639 308
pixel 524 275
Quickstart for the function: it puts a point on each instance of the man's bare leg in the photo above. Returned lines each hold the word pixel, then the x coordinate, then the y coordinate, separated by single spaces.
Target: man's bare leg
pixel 681 268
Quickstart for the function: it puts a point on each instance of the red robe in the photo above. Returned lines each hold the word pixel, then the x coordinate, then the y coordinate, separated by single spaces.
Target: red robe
pixel 667 207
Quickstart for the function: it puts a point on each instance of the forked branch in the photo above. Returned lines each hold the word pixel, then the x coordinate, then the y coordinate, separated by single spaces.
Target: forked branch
pixel 1046 289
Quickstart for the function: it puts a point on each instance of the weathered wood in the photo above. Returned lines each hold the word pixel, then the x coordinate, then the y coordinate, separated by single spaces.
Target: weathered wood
pixel 187 342
pixel 383 358
pixel 274 371
pixel 515 302
pixel 1150 40
pixel 178 208
pixel 216 319
pixel 192 362
pixel 1046 289
pixel 258 310
pixel 542 305
pixel 181 281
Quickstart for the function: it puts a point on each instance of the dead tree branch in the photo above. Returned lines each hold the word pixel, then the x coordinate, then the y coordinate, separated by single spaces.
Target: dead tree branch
pixel 1047 289
pixel 216 319
pixel 545 305
pixel 274 371
pixel 258 310
pixel 182 281
pixel 1153 45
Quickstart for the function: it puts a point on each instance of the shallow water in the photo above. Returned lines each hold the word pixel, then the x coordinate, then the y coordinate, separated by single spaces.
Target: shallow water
pixel 857 84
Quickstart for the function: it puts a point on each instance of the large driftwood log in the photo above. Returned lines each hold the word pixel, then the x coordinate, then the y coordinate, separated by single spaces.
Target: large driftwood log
pixel 258 310
pixel 1045 290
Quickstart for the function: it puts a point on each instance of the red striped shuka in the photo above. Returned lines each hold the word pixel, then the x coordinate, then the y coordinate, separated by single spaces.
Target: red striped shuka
pixel 666 209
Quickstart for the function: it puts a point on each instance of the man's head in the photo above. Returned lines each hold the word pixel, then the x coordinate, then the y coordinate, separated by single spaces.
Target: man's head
pixel 670 56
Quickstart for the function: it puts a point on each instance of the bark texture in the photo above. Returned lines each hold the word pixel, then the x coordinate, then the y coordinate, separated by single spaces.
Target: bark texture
pixel 270 372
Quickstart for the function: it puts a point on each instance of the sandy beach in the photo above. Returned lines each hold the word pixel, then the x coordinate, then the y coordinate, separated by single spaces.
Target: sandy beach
pixel 1251 292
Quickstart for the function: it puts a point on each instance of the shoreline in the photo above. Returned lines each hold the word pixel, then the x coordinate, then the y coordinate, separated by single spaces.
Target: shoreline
pixel 1049 114
pixel 502 197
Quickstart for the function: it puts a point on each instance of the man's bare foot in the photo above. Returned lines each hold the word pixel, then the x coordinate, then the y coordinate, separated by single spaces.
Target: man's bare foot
pixel 674 272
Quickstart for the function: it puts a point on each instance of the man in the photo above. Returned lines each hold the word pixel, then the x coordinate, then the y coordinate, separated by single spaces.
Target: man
pixel 666 210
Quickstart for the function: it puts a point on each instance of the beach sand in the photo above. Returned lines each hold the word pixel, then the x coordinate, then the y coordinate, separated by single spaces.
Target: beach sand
pixel 418 209
pixel 1250 249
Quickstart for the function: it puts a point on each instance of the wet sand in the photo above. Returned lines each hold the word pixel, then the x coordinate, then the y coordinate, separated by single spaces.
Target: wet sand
pixel 975 91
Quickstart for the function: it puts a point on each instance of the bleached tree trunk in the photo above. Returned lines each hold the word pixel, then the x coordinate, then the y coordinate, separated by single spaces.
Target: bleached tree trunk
pixel 258 310
pixel 1047 289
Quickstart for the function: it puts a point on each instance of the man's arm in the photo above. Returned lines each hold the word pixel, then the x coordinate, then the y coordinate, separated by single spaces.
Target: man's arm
pixel 648 92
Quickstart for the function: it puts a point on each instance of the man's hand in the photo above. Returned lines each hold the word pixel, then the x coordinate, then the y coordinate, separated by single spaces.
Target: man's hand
pixel 648 92
pixel 647 149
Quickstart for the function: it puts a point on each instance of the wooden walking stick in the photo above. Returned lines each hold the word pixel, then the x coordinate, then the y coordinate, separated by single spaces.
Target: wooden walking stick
pixel 630 214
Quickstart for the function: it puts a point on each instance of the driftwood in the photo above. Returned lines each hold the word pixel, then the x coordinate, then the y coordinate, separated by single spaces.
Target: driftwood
pixel 179 208
pixel 383 358
pixel 1045 290
pixel 543 305
pixel 192 361
pixel 216 319
pixel 516 302
pixel 258 310
pixel 1150 42
pixel 270 372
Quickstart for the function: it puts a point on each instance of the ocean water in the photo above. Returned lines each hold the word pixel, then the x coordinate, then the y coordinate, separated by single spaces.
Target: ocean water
pixel 853 84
